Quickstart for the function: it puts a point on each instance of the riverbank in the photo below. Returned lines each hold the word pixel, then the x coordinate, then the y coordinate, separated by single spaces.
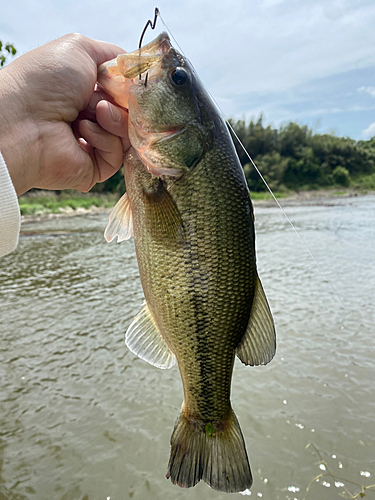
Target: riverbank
pixel 41 204
pixel 313 197
pixel 66 203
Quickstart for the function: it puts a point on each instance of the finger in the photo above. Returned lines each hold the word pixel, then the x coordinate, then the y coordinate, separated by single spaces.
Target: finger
pixel 99 51
pixel 115 120
pixel 108 147
pixel 101 171
pixel 91 176
pixel 89 113
pixel 105 169
pixel 67 166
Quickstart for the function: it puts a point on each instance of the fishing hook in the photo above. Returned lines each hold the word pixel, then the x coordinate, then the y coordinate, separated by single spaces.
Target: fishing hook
pixel 152 24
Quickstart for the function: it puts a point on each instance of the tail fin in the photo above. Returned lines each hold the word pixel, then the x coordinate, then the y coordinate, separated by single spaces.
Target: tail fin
pixel 213 452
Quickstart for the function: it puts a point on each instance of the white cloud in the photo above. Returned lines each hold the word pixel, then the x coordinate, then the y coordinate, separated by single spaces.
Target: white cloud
pixel 260 46
pixel 369 131
pixel 367 90
pixel 276 56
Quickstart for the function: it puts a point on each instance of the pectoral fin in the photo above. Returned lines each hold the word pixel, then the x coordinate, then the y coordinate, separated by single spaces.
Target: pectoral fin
pixel 120 221
pixel 144 339
pixel 162 217
pixel 258 345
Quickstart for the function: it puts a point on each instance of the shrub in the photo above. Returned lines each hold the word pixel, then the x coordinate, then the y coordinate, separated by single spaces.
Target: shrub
pixel 341 176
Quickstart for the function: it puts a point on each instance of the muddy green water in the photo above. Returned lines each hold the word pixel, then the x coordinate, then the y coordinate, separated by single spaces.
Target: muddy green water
pixel 81 418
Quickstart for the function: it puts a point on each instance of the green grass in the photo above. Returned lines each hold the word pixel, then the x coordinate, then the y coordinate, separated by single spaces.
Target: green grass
pixel 38 202
pixel 48 202
pixel 266 195
pixel 44 202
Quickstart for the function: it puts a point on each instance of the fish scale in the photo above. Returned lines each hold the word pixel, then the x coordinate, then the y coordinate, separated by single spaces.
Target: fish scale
pixel 188 206
pixel 213 267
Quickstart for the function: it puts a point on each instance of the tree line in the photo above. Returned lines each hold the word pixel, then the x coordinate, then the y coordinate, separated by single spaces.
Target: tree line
pixel 293 157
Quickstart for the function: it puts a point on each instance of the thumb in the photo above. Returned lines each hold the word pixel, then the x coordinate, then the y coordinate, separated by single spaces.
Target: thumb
pixel 100 51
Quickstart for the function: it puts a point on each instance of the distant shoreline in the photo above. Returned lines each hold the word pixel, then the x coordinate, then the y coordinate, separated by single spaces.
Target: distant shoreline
pixel 310 197
pixel 65 213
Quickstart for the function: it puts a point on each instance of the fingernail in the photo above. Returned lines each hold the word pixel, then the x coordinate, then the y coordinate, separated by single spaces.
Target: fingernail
pixel 92 126
pixel 115 113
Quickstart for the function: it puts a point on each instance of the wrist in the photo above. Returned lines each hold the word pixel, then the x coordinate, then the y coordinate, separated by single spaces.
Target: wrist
pixel 18 134
pixel 17 146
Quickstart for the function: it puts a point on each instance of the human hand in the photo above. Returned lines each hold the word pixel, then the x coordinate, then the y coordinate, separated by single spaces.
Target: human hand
pixel 48 109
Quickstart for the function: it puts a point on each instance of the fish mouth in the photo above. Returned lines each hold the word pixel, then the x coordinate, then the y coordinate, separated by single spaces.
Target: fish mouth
pixel 160 45
pixel 134 63
pixel 117 76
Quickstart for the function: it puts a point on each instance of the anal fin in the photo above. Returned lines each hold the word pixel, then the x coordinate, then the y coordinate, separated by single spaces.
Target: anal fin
pixel 120 222
pixel 144 339
pixel 258 345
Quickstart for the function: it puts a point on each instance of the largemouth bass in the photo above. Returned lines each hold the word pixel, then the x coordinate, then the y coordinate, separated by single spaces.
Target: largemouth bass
pixel 188 206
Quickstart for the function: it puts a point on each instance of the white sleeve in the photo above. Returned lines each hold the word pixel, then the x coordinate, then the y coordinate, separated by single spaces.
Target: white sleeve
pixel 10 217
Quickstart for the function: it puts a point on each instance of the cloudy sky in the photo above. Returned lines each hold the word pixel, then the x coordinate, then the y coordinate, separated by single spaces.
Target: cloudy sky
pixel 311 61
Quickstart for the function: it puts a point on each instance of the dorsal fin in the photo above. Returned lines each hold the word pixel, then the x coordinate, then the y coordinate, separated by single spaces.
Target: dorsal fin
pixel 258 345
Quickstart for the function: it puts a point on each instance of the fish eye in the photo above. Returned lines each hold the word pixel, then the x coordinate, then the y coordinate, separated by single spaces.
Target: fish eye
pixel 179 76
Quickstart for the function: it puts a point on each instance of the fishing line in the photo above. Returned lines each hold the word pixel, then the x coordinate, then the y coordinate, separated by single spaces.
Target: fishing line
pixel 297 233
pixel 274 197
pixel 170 32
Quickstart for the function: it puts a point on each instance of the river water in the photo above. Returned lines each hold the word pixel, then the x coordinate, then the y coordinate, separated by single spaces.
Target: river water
pixel 81 418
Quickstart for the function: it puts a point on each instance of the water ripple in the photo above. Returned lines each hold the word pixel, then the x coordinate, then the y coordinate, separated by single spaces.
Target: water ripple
pixel 81 417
